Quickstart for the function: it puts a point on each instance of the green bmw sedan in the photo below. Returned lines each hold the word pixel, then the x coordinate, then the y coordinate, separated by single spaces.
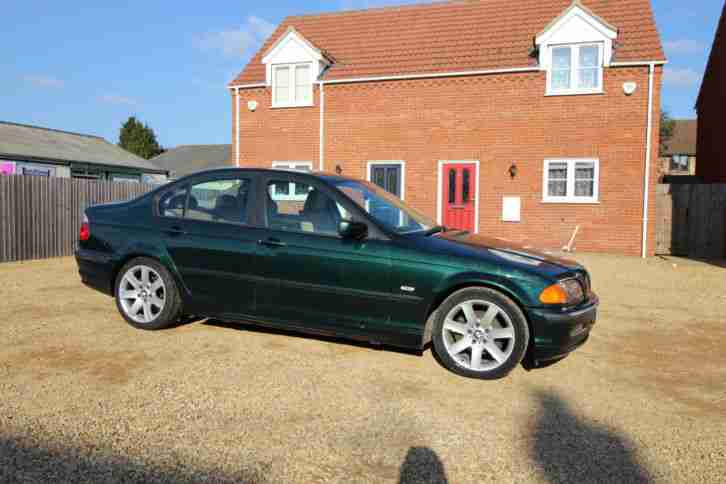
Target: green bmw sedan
pixel 330 255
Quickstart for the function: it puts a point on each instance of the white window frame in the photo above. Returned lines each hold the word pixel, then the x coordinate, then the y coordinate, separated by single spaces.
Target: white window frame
pixel 400 163
pixel 573 90
pixel 292 102
pixel 570 196
pixel 288 165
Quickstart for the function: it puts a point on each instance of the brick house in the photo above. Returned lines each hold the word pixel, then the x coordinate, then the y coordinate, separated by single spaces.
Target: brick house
pixel 523 120
pixel 711 105
pixel 679 155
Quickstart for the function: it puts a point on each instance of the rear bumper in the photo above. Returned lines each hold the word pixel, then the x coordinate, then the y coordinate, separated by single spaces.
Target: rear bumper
pixel 96 270
pixel 557 333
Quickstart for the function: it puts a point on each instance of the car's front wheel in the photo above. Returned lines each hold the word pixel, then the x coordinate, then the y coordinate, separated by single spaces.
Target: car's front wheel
pixel 480 333
pixel 146 295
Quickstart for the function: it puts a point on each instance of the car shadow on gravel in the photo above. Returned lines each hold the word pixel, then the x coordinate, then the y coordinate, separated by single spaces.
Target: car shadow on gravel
pixel 296 334
pixel 29 462
pixel 569 449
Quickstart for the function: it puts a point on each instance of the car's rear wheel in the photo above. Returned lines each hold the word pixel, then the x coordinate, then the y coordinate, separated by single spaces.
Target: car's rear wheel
pixel 480 333
pixel 146 295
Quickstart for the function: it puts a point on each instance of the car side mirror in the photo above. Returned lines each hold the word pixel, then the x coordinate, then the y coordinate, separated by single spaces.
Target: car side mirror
pixel 349 229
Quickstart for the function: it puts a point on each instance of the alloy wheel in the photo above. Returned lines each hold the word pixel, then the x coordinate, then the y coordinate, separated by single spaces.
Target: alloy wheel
pixel 478 335
pixel 142 294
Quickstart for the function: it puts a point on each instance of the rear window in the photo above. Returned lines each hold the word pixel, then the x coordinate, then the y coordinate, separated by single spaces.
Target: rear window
pixel 222 200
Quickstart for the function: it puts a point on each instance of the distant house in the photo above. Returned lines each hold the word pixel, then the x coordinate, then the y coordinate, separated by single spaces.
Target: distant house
pixel 711 106
pixel 680 153
pixel 38 151
pixel 187 159
pixel 531 120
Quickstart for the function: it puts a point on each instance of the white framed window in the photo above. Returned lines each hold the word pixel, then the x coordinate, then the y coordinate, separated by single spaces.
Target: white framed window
pixel 292 85
pixel 575 69
pixel 389 175
pixel 679 163
pixel 291 191
pixel 571 181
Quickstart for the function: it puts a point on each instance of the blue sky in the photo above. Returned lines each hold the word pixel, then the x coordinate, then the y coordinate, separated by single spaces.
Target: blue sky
pixel 87 65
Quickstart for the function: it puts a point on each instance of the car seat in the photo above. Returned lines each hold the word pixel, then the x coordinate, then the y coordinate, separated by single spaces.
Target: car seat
pixel 322 211
pixel 225 208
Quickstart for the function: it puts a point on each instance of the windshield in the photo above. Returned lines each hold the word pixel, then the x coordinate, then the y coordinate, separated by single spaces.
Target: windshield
pixel 384 207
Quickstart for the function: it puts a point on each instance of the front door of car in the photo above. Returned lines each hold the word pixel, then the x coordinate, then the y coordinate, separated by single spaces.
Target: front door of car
pixel 323 281
pixel 205 226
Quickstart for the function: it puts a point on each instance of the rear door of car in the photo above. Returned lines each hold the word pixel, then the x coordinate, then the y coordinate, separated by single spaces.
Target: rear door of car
pixel 206 225
pixel 323 281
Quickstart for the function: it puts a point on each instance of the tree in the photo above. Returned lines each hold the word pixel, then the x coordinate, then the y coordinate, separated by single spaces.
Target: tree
pixel 139 139
pixel 666 131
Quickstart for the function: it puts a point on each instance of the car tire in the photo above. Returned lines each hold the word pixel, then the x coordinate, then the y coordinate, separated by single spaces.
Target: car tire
pixel 480 333
pixel 147 295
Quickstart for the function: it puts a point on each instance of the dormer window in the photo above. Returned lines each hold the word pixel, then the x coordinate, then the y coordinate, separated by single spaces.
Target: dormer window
pixel 292 66
pixel 575 69
pixel 292 85
pixel 574 49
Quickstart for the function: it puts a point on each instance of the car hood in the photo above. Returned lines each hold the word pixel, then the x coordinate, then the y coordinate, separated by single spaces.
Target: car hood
pixel 507 249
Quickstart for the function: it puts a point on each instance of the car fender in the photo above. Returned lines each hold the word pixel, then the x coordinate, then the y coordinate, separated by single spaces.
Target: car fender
pixel 158 252
pixel 504 284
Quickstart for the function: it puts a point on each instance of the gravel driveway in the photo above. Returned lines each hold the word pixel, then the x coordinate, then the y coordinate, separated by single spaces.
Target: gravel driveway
pixel 84 397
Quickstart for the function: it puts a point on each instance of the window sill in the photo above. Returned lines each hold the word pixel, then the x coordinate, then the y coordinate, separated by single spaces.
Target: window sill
pixel 572 201
pixel 288 106
pixel 573 93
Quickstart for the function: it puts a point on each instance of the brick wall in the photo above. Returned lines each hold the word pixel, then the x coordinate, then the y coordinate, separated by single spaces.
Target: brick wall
pixel 711 150
pixel 498 120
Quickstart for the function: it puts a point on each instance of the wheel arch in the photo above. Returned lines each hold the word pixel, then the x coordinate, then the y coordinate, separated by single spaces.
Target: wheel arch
pixel 441 296
pixel 160 257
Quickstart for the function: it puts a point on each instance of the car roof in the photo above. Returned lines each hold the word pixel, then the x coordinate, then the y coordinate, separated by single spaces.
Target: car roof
pixel 322 175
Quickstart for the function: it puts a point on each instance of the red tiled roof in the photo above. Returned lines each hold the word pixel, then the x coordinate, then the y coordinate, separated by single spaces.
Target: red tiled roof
pixel 684 138
pixel 453 36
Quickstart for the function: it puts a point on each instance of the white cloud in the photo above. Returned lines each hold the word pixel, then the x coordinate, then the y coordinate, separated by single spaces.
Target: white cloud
pixel 44 81
pixel 118 100
pixel 681 77
pixel 683 46
pixel 236 42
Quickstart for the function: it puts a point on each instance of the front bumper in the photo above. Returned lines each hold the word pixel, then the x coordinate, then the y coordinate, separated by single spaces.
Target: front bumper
pixel 96 270
pixel 557 333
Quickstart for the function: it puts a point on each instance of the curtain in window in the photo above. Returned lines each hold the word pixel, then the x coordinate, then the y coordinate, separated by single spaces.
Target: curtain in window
pixel 303 91
pixel 589 63
pixel 561 67
pixel 557 180
pixel 584 179
pixel 282 85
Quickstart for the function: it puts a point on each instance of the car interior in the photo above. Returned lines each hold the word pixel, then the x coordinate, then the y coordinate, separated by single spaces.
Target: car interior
pixel 313 212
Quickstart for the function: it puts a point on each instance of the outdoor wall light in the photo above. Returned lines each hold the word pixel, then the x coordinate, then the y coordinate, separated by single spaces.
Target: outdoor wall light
pixel 513 171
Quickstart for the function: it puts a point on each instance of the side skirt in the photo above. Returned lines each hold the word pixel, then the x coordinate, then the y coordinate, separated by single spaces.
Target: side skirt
pixel 397 339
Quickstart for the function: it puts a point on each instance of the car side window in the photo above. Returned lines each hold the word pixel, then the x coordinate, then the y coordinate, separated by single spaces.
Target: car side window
pixel 173 202
pixel 312 211
pixel 223 200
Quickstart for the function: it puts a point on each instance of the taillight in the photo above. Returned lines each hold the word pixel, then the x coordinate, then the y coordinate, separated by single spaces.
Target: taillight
pixel 85 232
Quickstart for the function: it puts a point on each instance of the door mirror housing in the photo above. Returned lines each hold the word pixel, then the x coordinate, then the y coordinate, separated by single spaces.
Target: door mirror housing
pixel 349 229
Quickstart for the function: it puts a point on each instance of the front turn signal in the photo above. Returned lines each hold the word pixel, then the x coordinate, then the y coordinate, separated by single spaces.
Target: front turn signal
pixel 553 294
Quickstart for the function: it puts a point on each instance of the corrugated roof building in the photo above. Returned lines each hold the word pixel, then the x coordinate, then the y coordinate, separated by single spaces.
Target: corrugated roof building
pixel 34 150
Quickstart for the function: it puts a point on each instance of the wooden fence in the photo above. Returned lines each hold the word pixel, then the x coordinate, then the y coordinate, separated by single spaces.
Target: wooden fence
pixel 691 220
pixel 40 217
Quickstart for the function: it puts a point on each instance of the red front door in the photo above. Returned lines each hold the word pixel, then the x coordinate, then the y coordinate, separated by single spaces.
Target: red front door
pixel 459 195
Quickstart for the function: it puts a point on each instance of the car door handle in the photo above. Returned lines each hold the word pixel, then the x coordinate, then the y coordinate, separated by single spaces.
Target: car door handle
pixel 272 242
pixel 175 231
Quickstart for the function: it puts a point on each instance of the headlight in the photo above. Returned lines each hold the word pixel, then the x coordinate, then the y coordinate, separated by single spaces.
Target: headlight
pixel 568 291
